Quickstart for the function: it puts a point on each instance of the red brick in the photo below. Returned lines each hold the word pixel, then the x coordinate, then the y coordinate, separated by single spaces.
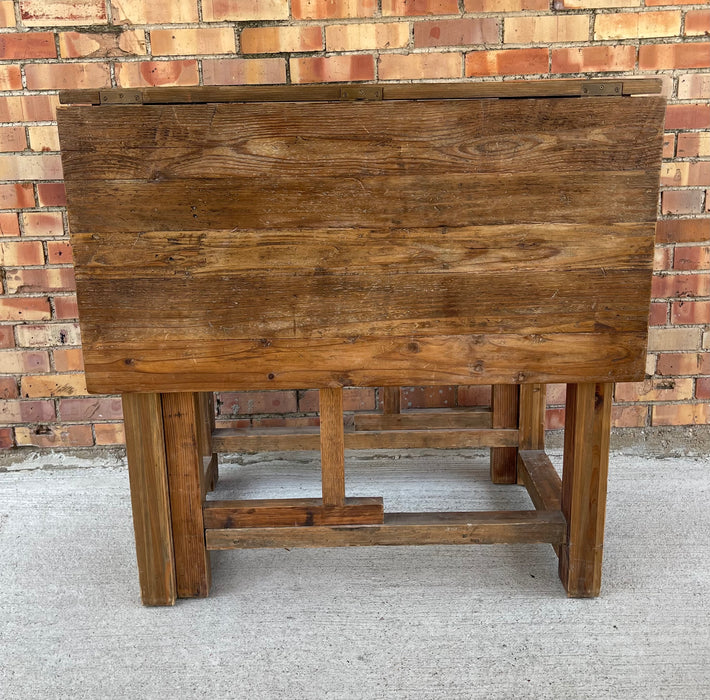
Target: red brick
pixel 57 279
pixel 47 334
pixel 155 11
pixel 90 409
pixel 674 339
pixel 507 62
pixel 631 25
pixel 125 42
pixel 7 440
pixel 429 397
pixel 354 399
pixel 655 390
pixel 24 167
pixel 7 13
pixel 68 359
pixel 51 13
pixel 9 388
pixel 12 138
pixel 324 69
pixel 21 253
pixel 50 385
pixel 690 312
pixel 195 40
pixel 692 258
pixel 241 71
pixel 656 3
pixel 680 285
pixel 7 337
pixel 17 196
pixel 62 76
pixel 59 252
pixel 55 436
pixel 697 23
pixel 554 419
pixel 43 223
pixel 405 8
pixel 44 138
pixel 51 194
pixel 333 9
pixel 244 10
pixel 688 116
pixel 683 363
pixel 28 108
pixel 455 32
pixel 27 45
pixel 593 59
pixel 686 174
pixel 24 309
pixel 693 145
pixel 22 361
pixel 65 308
pixel 629 416
pixel 9 224
pixel 362 36
pixel 681 414
pixel 280 39
pixel 10 77
pixel 473 396
pixel 682 201
pixel 668 145
pixel 505 5
pixel 659 314
pixel 110 434
pixel 669 56
pixel 694 86
pixel 27 411
pixel 545 29
pixel 682 230
pixel 702 388
pixel 157 73
pixel 419 66
pixel 251 402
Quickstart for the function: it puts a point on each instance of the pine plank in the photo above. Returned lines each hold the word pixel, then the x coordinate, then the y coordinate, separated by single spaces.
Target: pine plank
pixel 541 479
pixel 504 414
pixel 332 446
pixel 423 418
pixel 391 399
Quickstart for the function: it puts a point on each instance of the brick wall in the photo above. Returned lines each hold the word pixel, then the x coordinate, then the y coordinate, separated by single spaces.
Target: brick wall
pixel 46 45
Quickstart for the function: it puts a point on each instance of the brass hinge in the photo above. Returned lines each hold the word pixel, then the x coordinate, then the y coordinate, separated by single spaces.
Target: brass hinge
pixel 121 97
pixel 362 92
pixel 609 88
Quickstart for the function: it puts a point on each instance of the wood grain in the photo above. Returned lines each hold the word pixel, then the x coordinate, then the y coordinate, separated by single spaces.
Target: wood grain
pixel 504 414
pixel 540 479
pixel 423 418
pixel 391 397
pixel 332 446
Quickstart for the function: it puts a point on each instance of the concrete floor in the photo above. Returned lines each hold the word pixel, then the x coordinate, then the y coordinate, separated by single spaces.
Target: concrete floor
pixel 419 622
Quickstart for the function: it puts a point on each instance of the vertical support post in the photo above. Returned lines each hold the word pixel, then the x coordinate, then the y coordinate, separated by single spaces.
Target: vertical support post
pixel 150 499
pixel 504 409
pixel 584 478
pixel 181 420
pixel 391 401
pixel 206 422
pixel 332 446
pixel 531 425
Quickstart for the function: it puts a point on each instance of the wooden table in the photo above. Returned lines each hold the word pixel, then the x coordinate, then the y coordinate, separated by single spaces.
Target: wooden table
pixel 330 236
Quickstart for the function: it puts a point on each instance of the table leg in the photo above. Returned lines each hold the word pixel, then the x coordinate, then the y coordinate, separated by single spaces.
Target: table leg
pixel 504 409
pixel 585 467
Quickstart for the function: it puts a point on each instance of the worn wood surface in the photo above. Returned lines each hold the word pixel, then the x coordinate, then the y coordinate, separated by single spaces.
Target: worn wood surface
pixel 332 446
pixel 423 418
pixel 391 397
pixel 540 479
pixel 533 405
pixel 285 512
pixel 382 243
pixel 584 481
pixel 147 472
pixel 181 417
pixel 504 414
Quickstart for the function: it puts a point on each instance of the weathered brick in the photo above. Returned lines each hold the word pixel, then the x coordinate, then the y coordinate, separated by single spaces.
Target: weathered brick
pixel 702 388
pixel 22 361
pixel 593 4
pixel 68 359
pixel 683 363
pixel 184 42
pixel 362 36
pixel 682 201
pixel 419 66
pixel 124 42
pixel 47 335
pixel 660 339
pixel 686 174
pixel 7 13
pixel 245 10
pixel 28 108
pixel 593 59
pixel 10 77
pixel 25 167
pixel 694 86
pixel 680 285
pixel 681 414
pixel 26 411
pixel 250 402
pixel 90 409
pixel 706 340
pixel 241 71
pixel 505 5
pixel 17 196
pixel 655 390
pixel 656 3
pixel 24 309
pixel 55 13
pixel 692 258
pixel 690 312
pixel 55 436
pixel 669 56
pixel 21 253
pixel 27 45
pixel 455 32
pixel 50 385
pixel 43 138
pixel 110 434
pixel 157 73
pixel 56 279
pixel 554 419
pixel 631 25
pixel 697 23
pixel 693 145
pixel 9 224
pixel 406 8
pixel 154 11
pixel 59 252
pixel 473 396
pixel 545 29
pixel 65 308
pixel 668 145
pixel 51 194
pixel 429 397
pixel 507 62
pixel 682 230
pixel 7 337
pixel 12 138
pixel 9 388
pixel 629 416
pixel 43 223
pixel 62 76
pixel 688 116
pixel 325 69
pixel 659 314
pixel 280 39
pixel 7 440
pixel 354 399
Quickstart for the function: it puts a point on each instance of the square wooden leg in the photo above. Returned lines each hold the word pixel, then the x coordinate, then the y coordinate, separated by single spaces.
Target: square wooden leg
pixel 504 409
pixel 531 424
pixel 150 499
pixel 584 478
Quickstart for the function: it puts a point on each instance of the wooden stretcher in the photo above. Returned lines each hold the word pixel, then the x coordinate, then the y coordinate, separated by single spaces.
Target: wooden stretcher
pixel 331 236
